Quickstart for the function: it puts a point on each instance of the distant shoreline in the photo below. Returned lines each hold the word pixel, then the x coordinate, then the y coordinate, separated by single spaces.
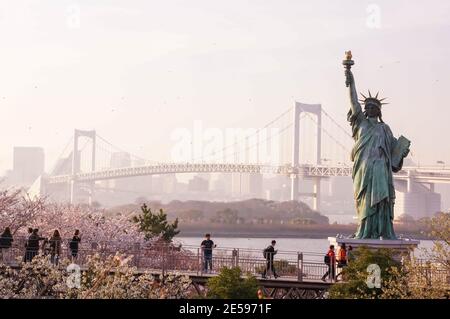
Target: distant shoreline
pixel 284 231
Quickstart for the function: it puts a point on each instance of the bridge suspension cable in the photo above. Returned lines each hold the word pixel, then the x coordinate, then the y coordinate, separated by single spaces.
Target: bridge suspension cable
pixel 122 150
pixel 337 124
pixel 236 142
pixel 279 132
pixel 329 134
pixel 57 162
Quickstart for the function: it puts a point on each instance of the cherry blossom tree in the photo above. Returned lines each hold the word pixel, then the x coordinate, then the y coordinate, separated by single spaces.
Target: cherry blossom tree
pixel 110 278
pixel 19 212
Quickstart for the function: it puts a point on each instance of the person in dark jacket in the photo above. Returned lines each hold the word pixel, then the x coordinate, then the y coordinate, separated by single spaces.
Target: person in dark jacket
pixel 6 240
pixel 269 254
pixel 32 245
pixel 74 244
pixel 29 232
pixel 207 247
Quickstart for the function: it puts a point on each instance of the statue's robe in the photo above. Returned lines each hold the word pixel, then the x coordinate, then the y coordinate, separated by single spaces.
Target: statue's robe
pixel 373 183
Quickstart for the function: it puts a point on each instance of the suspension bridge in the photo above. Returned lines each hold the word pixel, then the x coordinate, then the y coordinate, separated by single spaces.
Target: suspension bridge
pixel 303 142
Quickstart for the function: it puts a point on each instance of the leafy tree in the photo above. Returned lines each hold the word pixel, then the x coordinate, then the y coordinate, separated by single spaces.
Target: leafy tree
pixel 425 279
pixel 417 280
pixel 191 215
pixel 227 216
pixel 155 224
pixel 355 275
pixel 229 285
pixel 140 200
pixel 440 230
pixel 405 219
pixel 303 221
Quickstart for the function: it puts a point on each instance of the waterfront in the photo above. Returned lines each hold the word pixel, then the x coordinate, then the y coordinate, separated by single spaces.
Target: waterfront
pixel 283 244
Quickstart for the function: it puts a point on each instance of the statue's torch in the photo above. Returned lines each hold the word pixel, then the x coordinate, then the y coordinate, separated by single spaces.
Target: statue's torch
pixel 348 62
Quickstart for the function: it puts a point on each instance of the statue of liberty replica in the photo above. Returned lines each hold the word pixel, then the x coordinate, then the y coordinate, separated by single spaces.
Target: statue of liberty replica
pixel 376 154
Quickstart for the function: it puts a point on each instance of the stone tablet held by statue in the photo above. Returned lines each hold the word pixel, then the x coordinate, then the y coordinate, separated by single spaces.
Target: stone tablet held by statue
pixel 401 147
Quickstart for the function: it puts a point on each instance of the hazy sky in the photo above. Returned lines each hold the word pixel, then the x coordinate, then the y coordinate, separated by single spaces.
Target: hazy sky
pixel 137 70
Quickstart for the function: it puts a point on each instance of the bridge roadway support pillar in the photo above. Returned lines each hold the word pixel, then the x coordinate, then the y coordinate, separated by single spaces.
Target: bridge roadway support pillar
pixel 316 200
pixel 76 162
pixel 294 187
pixel 315 109
pixel 72 191
pixel 295 153
pixel 409 182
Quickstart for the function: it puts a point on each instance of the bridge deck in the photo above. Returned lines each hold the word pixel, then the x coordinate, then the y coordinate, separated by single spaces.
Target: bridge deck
pixel 420 174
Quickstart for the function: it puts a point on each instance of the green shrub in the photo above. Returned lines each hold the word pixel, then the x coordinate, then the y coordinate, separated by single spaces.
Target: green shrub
pixel 229 284
pixel 155 224
pixel 355 275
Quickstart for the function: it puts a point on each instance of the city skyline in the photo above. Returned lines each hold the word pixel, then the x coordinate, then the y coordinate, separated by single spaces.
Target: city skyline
pixel 172 71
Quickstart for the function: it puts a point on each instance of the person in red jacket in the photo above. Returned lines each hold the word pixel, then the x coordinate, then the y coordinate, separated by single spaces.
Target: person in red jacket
pixel 341 259
pixel 330 260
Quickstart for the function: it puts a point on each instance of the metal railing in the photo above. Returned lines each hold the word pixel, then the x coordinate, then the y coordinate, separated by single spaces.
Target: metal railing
pixel 165 258
pixel 192 260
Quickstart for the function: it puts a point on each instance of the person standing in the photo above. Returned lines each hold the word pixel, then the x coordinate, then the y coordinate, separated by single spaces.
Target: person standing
pixel 74 244
pixel 55 247
pixel 235 257
pixel 342 256
pixel 341 259
pixel 207 246
pixel 6 240
pixel 32 245
pixel 330 260
pixel 350 255
pixel 29 232
pixel 269 254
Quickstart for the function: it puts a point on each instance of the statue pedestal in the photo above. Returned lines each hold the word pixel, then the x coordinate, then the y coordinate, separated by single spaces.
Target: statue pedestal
pixel 400 246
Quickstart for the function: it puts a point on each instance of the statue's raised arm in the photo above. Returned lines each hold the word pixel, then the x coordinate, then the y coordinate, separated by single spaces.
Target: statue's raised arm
pixel 350 83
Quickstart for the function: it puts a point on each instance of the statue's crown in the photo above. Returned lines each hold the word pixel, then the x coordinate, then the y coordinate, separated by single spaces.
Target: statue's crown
pixel 372 100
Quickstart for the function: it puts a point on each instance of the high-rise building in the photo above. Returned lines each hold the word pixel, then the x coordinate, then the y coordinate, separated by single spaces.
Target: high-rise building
pixel 198 184
pixel 28 164
pixel 169 184
pixel 118 160
pixel 141 184
pixel 247 185
pixel 222 184
pixel 340 188
pixel 418 201
pixel 277 188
